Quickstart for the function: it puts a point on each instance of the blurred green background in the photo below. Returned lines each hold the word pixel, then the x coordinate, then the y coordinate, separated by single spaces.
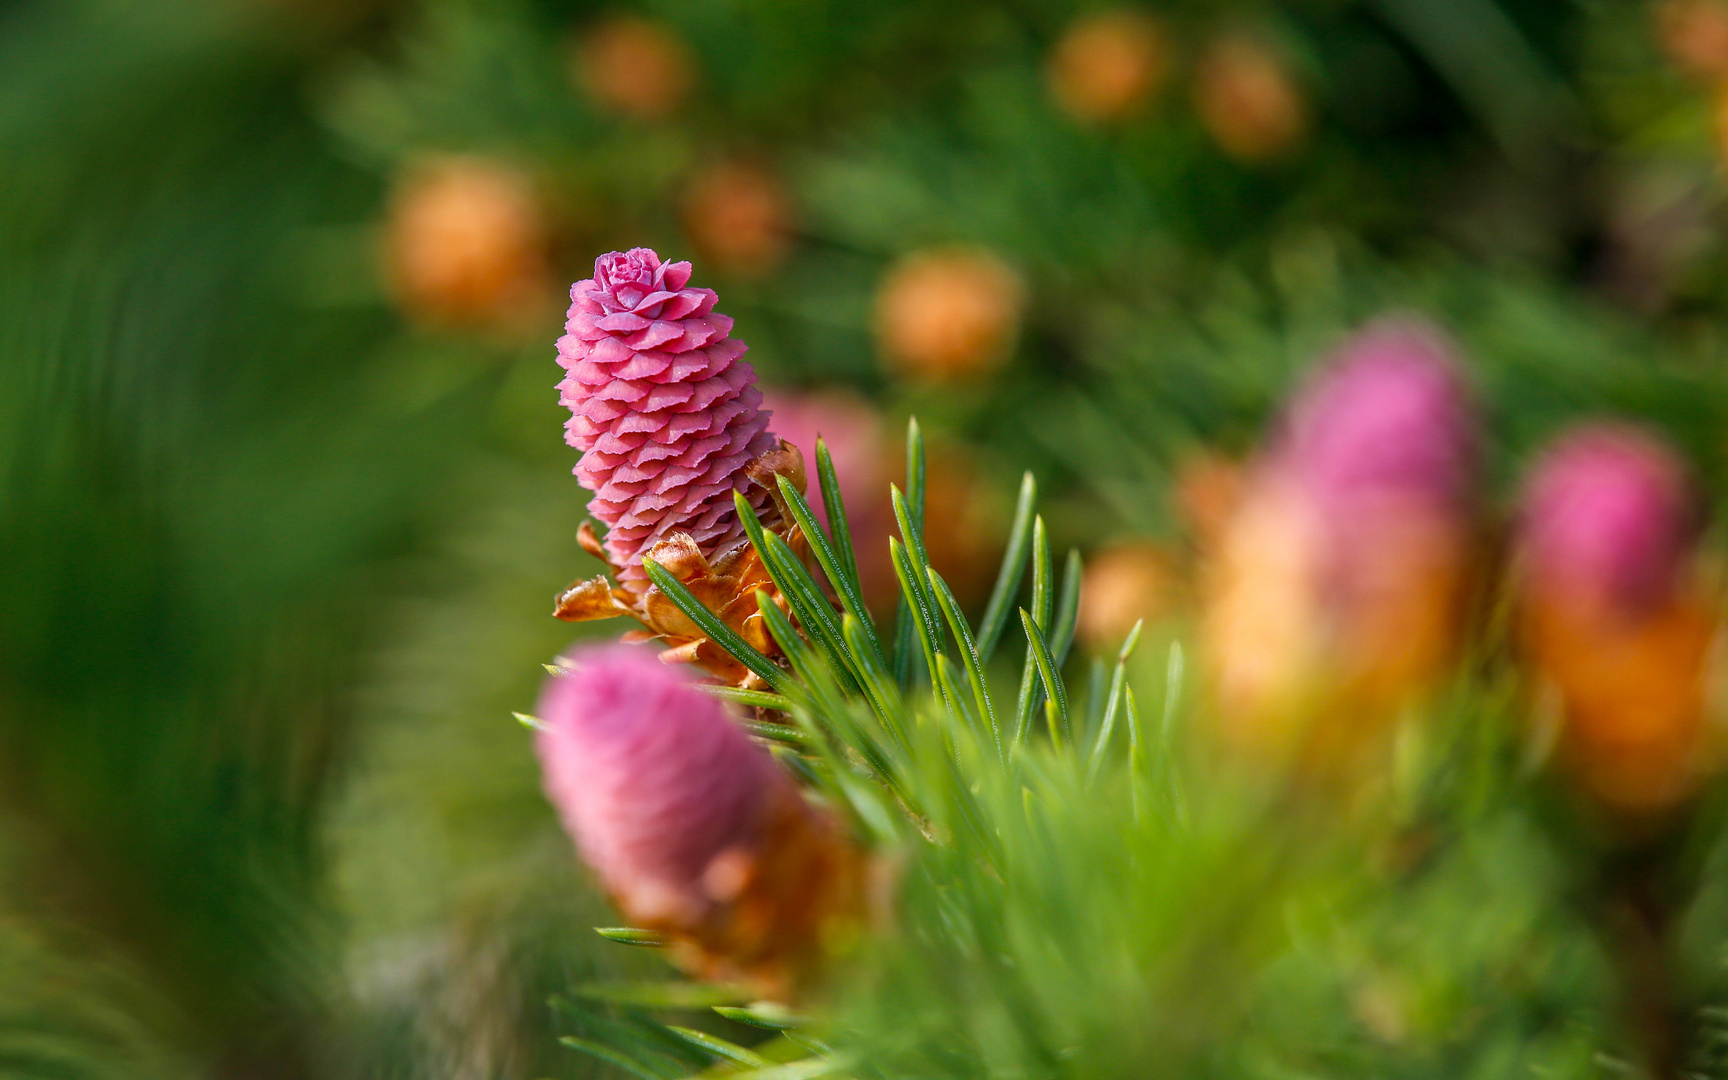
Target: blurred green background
pixel 283 498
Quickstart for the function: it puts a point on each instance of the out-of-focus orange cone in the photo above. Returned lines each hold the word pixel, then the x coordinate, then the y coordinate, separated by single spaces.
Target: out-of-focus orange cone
pixel 1613 619
pixel 1124 583
pixel 1694 36
pixel 1108 65
pixel 739 217
pixel 466 245
pixel 1248 100
pixel 1207 488
pixel 948 315
pixel 633 67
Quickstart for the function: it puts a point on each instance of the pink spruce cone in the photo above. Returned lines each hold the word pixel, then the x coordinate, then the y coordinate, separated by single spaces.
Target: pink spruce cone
pixel 692 827
pixel 651 778
pixel 664 411
pixel 1608 519
pixel 1336 592
pixel 1614 623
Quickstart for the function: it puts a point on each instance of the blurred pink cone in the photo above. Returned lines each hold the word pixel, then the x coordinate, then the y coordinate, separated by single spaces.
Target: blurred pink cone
pixel 1616 629
pixel 1336 592
pixel 693 829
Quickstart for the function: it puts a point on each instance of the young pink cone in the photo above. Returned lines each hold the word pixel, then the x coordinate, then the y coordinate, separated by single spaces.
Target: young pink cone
pixel 667 417
pixel 663 409
pixel 1617 630
pixel 692 828
pixel 1336 594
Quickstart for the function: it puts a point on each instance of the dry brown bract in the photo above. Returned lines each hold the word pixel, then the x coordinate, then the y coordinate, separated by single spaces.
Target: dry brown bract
pixel 725 584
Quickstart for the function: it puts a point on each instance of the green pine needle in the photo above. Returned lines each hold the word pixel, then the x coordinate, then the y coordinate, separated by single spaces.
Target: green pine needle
pixel 765 1015
pixel 720 1048
pixel 1047 673
pixel 835 503
pixel 805 1069
pixel 968 655
pixel 1067 608
pixel 721 634
pixel 911 519
pixel 1008 576
pixel 1118 680
pixel 827 698
pixel 1043 594
pixel 843 577
pixel 780 733
pixel 616 1058
pixel 760 699
pixel 1029 682
pixel 796 585
pixel 629 935
pixel 922 620
pixel 878 682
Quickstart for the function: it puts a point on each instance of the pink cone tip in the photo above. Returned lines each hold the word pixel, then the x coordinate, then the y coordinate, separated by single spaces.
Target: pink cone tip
pixel 1608 517
pixel 1389 414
